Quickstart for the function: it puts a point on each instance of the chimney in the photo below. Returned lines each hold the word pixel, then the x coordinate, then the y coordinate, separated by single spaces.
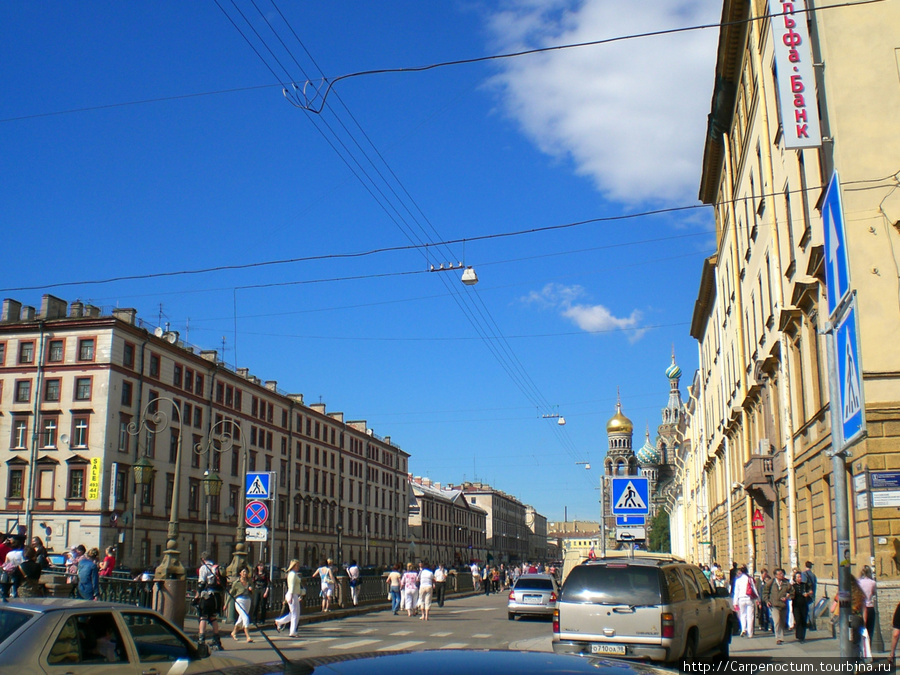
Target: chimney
pixel 337 416
pixel 52 307
pixel 210 355
pixel 296 398
pixel 272 385
pixel 318 407
pixel 126 314
pixel 426 482
pixel 11 310
pixel 27 313
pixel 76 311
pixel 387 439
pixel 91 311
pixel 243 372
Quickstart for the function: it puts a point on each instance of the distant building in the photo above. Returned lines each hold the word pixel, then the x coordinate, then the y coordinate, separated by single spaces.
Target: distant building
pixel 444 526
pixel 86 395
pixel 508 535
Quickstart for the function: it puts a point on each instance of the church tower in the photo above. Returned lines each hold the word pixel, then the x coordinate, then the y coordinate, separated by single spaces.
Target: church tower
pixel 620 459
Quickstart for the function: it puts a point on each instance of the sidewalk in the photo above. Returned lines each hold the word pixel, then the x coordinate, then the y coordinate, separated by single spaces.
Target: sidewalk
pixel 819 643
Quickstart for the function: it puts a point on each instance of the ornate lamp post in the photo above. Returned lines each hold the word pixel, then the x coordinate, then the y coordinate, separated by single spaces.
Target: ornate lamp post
pixel 221 439
pixel 212 487
pixel 170 595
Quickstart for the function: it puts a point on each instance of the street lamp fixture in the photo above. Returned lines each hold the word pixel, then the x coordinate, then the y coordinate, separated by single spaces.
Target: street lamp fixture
pixel 170 570
pixel 143 471
pixel 212 484
pixel 221 439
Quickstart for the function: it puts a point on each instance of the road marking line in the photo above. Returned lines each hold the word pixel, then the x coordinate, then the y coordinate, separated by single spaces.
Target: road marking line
pixel 444 634
pixel 354 644
pixel 366 631
pixel 482 636
pixel 330 628
pixel 401 646
pixel 402 632
pixel 310 641
pixel 455 645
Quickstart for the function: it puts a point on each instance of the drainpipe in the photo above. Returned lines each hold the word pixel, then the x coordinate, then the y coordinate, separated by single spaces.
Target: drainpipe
pixel 35 436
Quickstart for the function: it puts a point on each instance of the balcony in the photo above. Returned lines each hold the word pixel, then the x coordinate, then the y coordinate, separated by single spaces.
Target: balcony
pixel 758 472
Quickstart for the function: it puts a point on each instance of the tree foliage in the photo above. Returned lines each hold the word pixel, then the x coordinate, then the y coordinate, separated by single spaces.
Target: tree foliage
pixel 659 538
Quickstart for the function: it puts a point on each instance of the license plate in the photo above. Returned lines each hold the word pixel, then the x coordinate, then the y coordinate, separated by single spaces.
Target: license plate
pixel 532 599
pixel 607 649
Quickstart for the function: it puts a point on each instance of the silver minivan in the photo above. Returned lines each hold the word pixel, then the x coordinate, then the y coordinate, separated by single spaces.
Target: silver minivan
pixel 642 608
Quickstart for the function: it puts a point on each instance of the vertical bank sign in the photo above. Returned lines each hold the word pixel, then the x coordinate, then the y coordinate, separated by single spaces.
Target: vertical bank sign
pixel 796 81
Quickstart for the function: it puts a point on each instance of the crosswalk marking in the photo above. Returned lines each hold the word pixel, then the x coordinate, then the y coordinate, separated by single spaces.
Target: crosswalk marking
pixel 482 636
pixel 366 631
pixel 455 645
pixel 310 641
pixel 354 644
pixel 444 634
pixel 330 628
pixel 401 646
pixel 402 632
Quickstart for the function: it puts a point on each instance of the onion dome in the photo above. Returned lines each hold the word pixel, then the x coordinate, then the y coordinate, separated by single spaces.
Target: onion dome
pixel 673 372
pixel 648 455
pixel 619 424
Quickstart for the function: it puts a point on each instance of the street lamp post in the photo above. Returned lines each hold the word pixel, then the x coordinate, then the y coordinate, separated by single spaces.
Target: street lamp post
pixel 170 594
pixel 212 487
pixel 221 439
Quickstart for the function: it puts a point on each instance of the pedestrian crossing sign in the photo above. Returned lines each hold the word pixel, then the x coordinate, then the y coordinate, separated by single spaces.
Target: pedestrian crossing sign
pixel 258 483
pixel 630 496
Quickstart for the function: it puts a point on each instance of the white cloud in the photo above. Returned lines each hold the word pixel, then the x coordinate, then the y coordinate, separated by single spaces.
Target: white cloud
pixel 630 115
pixel 589 318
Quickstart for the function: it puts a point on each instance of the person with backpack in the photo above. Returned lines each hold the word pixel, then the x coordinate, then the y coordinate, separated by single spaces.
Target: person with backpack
pixel 326 578
pixel 210 584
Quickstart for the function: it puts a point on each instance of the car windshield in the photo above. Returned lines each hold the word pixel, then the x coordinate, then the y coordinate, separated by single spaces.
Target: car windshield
pixel 534 584
pixel 612 585
pixel 10 621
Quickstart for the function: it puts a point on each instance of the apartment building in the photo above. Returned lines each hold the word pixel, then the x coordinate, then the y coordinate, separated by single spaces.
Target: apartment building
pixel 87 395
pixel 444 526
pixel 508 535
pixel 800 98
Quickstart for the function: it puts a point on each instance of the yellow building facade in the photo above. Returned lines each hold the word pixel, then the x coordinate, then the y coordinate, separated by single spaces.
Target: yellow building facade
pixel 755 478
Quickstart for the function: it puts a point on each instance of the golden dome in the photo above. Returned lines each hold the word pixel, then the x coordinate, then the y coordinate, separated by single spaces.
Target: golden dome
pixel 619 424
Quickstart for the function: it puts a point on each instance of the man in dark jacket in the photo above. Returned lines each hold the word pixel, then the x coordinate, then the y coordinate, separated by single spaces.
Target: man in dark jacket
pixel 776 594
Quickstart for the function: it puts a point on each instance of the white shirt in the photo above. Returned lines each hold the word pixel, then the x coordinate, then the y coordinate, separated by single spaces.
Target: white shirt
pixel 440 574
pixel 741 584
pixel 426 578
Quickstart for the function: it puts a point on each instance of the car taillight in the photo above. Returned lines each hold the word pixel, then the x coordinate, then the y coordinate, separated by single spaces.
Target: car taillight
pixel 553 597
pixel 555 620
pixel 668 625
pixel 512 595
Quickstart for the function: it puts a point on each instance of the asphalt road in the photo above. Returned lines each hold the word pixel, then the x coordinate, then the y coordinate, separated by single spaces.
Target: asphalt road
pixel 474 622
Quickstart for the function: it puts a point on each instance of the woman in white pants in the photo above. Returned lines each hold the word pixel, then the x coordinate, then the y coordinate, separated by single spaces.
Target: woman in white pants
pixel 241 592
pixel 292 597
pixel 745 596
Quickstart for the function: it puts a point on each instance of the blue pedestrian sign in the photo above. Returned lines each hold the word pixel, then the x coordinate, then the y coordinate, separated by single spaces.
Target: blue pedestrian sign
pixel 837 266
pixel 258 483
pixel 630 496
pixel 852 407
pixel 256 514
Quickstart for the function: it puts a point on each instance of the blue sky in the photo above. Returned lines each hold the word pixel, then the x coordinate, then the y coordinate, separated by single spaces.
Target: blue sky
pixel 459 377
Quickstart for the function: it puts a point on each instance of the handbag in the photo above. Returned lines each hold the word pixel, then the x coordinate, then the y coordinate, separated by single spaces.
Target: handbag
pixel 4 577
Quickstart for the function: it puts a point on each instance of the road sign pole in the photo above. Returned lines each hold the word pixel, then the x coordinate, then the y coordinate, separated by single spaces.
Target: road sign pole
pixel 603 515
pixel 841 510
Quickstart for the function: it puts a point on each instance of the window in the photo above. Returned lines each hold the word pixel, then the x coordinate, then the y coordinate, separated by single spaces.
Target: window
pixel 127 390
pixel 195 456
pixel 19 433
pixel 147 492
pixel 173 445
pixel 121 486
pixel 76 483
pixel 48 432
pixel 128 355
pixel 55 351
pixel 80 432
pixel 2 353
pixel 82 389
pixel 188 379
pixel 51 391
pixel 16 480
pixel 46 482
pixel 154 639
pixel 124 436
pixel 26 352
pixel 194 495
pixel 198 417
pixel 178 376
pixel 154 365
pixel 86 349
pixel 198 385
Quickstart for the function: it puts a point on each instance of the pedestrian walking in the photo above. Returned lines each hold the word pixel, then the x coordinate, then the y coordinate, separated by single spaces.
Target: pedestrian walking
pixel 440 584
pixel 393 583
pixel 242 592
pixel 776 595
pixel 426 589
pixel 292 596
pixel 802 591
pixel 895 633
pixel 810 578
pixel 486 579
pixel 326 584
pixel 260 603
pixel 868 586
pixel 744 598
pixel 764 612
pixel 210 586
pixel 410 584
pixel 353 573
pixel 29 572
